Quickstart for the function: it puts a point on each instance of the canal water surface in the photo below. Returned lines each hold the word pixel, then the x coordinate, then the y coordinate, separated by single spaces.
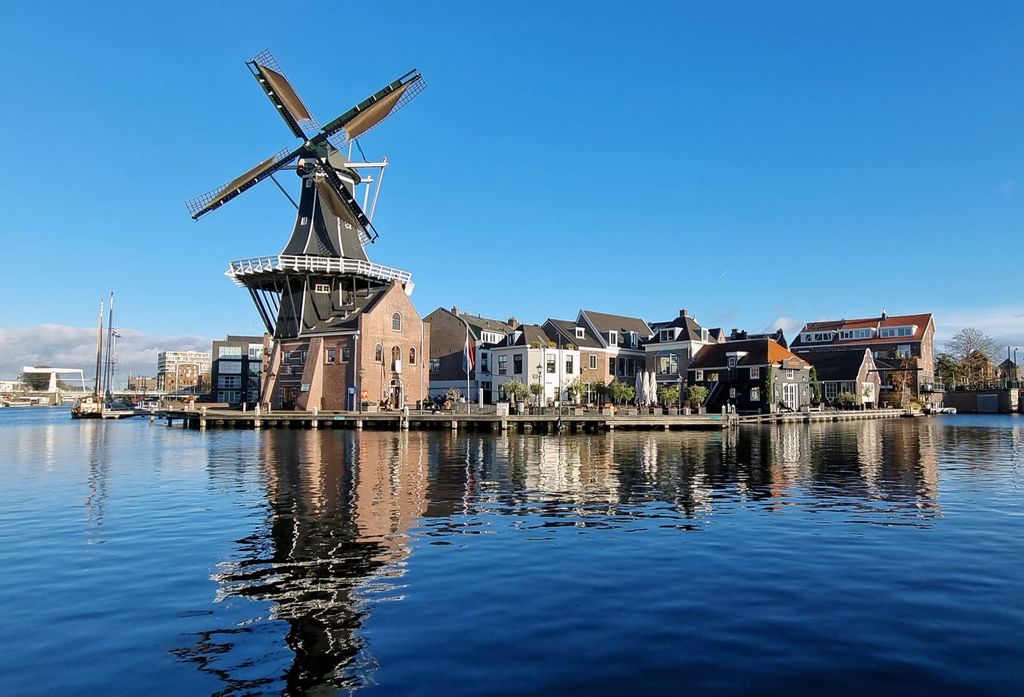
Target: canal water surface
pixel 873 557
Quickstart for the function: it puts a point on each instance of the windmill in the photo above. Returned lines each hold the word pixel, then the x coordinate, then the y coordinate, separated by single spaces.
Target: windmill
pixel 323 277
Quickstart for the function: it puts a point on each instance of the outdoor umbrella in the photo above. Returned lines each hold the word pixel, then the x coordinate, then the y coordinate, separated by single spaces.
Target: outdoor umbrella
pixel 639 389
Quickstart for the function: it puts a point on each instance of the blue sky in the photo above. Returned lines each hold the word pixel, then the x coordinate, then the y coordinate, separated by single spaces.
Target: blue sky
pixel 757 163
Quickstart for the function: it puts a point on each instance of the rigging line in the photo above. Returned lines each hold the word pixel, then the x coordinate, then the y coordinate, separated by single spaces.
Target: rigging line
pixel 360 147
pixel 286 194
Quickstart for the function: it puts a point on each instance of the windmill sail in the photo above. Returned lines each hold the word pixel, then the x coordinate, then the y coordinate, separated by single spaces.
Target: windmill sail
pixel 203 204
pixel 283 96
pixel 371 111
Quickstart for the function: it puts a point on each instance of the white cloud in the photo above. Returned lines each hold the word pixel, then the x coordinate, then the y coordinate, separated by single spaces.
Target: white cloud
pixel 63 346
pixel 786 324
pixel 1005 323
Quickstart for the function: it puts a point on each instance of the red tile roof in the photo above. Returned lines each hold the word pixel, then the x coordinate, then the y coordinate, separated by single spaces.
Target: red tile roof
pixel 922 321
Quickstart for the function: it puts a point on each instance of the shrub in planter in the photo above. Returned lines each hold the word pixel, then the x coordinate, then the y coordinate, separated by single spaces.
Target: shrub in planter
pixel 846 400
pixel 669 395
pixel 698 393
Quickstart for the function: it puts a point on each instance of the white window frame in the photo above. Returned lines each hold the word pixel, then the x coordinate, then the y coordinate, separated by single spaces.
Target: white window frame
pixel 322 288
pixel 698 376
pixel 755 394
pixel 580 332
pixel 396 322
pixel 593 361
pixel 790 374
pixel 755 373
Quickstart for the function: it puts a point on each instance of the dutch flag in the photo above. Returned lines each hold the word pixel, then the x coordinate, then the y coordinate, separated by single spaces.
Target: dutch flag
pixel 468 357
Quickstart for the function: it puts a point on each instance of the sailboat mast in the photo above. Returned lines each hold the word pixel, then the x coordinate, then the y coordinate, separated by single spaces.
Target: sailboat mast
pixel 109 373
pixel 99 353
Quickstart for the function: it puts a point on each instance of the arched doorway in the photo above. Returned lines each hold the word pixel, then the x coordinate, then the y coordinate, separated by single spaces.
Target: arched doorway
pixel 396 393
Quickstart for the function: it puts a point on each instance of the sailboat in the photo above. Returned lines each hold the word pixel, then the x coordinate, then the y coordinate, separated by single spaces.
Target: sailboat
pixel 97 405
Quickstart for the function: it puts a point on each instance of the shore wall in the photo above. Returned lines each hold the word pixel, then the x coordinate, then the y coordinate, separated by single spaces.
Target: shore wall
pixel 982 401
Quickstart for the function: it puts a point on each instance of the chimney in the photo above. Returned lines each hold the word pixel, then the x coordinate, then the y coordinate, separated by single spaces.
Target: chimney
pixel 684 312
pixel 885 315
pixel 512 322
pixel 455 310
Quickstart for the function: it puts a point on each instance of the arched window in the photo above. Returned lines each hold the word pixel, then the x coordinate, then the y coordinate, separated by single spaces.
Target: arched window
pixel 396 321
pixel 378 353
pixel 412 356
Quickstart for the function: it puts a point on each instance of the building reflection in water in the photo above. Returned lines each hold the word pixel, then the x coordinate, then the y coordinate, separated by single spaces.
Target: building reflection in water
pixel 343 511
pixel 339 510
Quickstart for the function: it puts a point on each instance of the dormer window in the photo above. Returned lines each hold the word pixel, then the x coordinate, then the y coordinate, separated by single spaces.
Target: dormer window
pixel 613 338
pixel 580 332
pixel 704 335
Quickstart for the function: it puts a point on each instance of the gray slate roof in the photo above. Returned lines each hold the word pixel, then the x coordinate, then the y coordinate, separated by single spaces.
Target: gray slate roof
pixel 836 365
pixel 567 329
pixel 605 322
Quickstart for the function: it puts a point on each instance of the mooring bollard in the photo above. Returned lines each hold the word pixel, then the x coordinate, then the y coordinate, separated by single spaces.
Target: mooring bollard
pixel 315 422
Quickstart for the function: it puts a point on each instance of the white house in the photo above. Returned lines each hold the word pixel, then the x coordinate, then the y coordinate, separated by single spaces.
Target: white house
pixel 532 357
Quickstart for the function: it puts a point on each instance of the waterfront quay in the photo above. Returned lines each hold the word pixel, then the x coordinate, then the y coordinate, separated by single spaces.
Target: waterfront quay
pixel 203 418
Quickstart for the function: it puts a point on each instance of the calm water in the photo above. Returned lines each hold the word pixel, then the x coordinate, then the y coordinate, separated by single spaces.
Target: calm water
pixel 881 557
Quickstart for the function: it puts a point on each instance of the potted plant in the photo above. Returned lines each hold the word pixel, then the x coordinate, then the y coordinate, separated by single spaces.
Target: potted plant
pixel 698 393
pixel 669 396
pixel 847 400
pixel 622 392
pixel 515 391
pixel 536 389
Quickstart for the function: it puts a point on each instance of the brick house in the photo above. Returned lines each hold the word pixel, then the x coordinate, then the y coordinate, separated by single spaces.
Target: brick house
pixel 619 344
pixel 674 344
pixel 376 357
pixel 900 344
pixel 447 340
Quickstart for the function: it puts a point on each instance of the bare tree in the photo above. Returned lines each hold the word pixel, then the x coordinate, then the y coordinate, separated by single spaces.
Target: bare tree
pixel 973 351
pixel 970 340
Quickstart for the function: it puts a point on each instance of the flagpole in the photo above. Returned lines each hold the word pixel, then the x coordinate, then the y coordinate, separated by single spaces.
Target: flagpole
pixel 469 358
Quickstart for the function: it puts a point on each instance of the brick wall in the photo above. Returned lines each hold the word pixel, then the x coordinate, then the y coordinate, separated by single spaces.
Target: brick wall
pixel 376 327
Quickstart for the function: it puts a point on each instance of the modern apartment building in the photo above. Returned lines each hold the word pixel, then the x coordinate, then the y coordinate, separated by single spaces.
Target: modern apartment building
pixel 183 371
pixel 237 369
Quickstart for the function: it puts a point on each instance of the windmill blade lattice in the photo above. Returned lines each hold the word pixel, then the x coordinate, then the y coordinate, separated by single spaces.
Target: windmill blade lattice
pixel 215 198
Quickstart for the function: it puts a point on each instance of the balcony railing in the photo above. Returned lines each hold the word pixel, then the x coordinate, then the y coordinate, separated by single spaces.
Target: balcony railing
pixel 310 264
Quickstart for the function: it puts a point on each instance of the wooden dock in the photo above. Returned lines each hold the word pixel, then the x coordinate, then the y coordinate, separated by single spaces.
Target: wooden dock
pixel 204 418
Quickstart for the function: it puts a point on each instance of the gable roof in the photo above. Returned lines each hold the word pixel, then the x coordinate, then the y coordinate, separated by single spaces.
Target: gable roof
pixel 922 321
pixel 567 329
pixel 839 365
pixel 486 323
pixel 691 330
pixel 604 322
pixel 528 334
pixel 476 322
pixel 758 352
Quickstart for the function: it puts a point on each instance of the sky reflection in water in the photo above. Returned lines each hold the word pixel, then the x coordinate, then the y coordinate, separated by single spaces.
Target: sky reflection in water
pixel 877 556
